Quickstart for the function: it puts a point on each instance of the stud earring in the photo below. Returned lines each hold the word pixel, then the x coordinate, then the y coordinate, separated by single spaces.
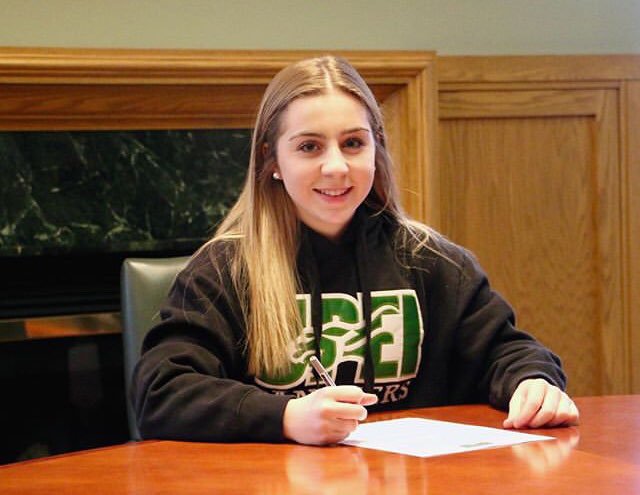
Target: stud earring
pixel 276 176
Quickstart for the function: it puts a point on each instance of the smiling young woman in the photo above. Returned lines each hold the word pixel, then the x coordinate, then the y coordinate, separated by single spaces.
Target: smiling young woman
pixel 317 258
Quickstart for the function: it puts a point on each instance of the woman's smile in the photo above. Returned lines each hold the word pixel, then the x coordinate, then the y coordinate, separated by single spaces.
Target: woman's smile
pixel 334 193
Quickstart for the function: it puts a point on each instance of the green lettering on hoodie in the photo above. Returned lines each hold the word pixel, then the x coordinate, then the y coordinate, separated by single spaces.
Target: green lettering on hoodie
pixel 396 337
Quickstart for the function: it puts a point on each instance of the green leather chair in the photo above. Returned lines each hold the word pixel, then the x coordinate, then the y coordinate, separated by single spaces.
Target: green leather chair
pixel 144 284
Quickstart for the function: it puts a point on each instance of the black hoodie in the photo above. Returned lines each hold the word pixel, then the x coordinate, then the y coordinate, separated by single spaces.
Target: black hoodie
pixel 418 329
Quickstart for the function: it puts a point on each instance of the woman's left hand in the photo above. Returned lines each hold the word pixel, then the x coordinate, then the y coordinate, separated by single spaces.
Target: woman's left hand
pixel 537 403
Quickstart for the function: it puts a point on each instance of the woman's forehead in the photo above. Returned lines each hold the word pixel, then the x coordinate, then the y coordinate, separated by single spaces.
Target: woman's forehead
pixel 328 110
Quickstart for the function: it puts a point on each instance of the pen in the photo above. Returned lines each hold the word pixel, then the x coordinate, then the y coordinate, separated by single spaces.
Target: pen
pixel 321 371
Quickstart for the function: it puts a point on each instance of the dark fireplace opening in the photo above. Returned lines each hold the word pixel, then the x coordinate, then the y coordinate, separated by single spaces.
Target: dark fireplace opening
pixel 67 284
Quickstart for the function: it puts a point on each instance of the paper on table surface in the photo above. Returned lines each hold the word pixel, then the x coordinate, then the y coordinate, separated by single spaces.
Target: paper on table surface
pixel 427 437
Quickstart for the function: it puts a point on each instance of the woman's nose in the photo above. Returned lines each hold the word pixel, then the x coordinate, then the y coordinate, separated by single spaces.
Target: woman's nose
pixel 335 162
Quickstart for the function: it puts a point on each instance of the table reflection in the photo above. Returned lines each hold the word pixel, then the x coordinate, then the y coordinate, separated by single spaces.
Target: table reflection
pixel 548 455
pixel 340 470
pixel 327 471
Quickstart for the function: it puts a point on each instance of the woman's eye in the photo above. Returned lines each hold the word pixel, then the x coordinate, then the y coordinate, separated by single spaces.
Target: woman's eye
pixel 353 143
pixel 308 147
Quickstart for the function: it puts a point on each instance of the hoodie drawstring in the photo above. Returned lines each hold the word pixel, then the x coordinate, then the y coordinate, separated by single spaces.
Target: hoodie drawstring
pixel 362 257
pixel 316 297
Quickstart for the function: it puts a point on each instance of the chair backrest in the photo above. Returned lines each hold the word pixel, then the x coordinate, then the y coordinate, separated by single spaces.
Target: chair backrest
pixel 144 284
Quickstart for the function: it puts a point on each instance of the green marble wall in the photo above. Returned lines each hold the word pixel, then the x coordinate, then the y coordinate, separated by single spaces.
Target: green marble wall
pixel 116 191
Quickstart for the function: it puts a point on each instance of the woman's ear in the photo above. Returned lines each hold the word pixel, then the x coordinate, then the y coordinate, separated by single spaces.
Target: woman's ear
pixel 266 151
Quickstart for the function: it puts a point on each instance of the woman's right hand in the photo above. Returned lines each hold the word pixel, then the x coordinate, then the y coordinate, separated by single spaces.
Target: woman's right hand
pixel 326 415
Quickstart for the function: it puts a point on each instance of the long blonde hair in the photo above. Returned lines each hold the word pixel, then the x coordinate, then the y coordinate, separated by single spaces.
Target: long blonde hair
pixel 263 221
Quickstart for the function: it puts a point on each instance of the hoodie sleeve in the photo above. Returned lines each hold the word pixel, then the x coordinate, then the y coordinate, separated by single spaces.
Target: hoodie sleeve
pixel 492 356
pixel 190 382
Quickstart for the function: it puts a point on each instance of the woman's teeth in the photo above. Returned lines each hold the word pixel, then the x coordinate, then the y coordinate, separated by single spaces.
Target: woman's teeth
pixel 333 192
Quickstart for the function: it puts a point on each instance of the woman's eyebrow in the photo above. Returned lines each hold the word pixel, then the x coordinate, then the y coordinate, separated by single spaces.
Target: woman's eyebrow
pixel 306 134
pixel 356 129
pixel 320 135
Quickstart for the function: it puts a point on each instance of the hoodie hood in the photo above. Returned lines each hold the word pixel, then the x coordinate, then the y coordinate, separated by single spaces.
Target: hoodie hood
pixel 328 266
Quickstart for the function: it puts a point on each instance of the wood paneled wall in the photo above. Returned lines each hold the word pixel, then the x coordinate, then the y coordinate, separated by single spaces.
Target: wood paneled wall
pixel 538 170
pixel 539 175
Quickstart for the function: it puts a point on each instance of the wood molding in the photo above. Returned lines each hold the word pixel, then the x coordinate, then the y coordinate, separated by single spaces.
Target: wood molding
pixel 85 89
pixel 238 67
pixel 538 68
pixel 631 180
pixel 511 104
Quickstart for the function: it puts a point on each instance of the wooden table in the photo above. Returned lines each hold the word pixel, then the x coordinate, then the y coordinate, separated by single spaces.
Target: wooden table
pixel 601 456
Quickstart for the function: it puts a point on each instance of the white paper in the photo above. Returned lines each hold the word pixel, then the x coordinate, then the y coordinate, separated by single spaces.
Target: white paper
pixel 427 438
